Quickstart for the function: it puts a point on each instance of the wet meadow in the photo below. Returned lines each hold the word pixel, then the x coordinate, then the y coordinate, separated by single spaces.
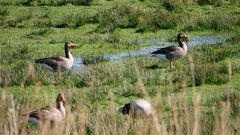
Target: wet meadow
pixel 200 95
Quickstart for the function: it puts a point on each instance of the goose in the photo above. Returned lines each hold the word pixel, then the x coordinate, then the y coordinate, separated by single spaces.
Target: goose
pixel 47 114
pixel 172 53
pixel 139 108
pixel 59 63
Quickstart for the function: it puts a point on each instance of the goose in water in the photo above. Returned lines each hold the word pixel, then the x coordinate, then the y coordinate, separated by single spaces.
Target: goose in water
pixel 139 108
pixel 59 63
pixel 172 53
pixel 48 115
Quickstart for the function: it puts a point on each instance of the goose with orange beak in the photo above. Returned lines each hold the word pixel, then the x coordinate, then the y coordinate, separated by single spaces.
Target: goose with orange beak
pixel 172 53
pixel 59 63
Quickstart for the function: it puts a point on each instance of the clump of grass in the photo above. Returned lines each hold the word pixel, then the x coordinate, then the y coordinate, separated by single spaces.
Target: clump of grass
pixel 211 64
pixel 217 71
pixel 81 2
pixel 3 11
pixel 119 16
pixel 217 53
pixel 46 2
pixel 16 65
pixel 235 38
pixel 13 55
pixel 173 4
pixel 93 59
pixel 24 2
pixel 159 19
pixel 74 20
pixel 70 79
pixel 39 32
pixel 51 2
pixel 59 23
pixel 11 22
pixel 15 76
pixel 218 22
pixel 17 20
pixel 92 38
pixel 42 20
pixel 41 23
pixel 27 74
pixel 204 74
pixel 212 2
pixel 112 37
pixel 124 16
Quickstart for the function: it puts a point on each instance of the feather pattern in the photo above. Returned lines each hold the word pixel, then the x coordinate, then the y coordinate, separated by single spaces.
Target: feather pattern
pixel 59 63
pixel 165 50
pixel 172 52
pixel 139 108
pixel 48 114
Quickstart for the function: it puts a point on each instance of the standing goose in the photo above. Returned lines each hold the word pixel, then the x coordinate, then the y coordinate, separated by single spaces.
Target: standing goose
pixel 172 53
pixel 59 63
pixel 139 108
pixel 46 115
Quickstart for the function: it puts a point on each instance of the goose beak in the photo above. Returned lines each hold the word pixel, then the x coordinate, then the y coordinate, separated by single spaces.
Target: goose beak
pixel 73 46
pixel 186 37
pixel 120 109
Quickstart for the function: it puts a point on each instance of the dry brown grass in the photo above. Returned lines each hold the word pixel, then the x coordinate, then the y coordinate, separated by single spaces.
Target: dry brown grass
pixel 175 115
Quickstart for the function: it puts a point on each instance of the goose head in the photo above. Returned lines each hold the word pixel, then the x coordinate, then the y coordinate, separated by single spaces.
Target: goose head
pixel 182 36
pixel 69 45
pixel 125 109
pixel 60 99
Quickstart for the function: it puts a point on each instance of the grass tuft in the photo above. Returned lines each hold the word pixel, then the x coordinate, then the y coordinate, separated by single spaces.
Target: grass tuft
pixel 39 32
pixel 119 16
pixel 218 22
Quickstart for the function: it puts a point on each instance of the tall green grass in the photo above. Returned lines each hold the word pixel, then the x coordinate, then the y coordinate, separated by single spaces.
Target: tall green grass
pixel 45 2
pixel 216 22
pixel 94 93
pixel 92 109
pixel 187 17
pixel 199 96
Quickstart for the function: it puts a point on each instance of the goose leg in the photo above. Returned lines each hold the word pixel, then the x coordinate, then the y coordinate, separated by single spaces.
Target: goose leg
pixel 170 63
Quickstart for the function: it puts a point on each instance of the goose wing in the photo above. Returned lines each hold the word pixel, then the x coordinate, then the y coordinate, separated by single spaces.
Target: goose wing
pixel 52 62
pixel 43 113
pixel 165 50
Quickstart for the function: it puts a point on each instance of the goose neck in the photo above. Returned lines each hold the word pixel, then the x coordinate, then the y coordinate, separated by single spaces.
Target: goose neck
pixel 66 52
pixel 60 107
pixel 180 42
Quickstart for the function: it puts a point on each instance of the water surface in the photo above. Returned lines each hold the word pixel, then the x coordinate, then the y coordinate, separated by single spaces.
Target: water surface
pixel 193 41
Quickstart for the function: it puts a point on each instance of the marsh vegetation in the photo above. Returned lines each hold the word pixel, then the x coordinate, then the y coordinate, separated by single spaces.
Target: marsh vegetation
pixel 201 95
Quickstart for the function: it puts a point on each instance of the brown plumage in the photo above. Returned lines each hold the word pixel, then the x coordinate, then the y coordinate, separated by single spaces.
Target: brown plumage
pixel 48 115
pixel 172 53
pixel 59 63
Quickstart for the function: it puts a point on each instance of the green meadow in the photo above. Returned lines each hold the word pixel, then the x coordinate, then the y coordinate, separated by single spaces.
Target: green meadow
pixel 200 95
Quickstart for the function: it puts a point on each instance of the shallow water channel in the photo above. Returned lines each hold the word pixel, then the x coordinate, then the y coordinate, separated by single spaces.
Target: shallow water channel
pixel 193 41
